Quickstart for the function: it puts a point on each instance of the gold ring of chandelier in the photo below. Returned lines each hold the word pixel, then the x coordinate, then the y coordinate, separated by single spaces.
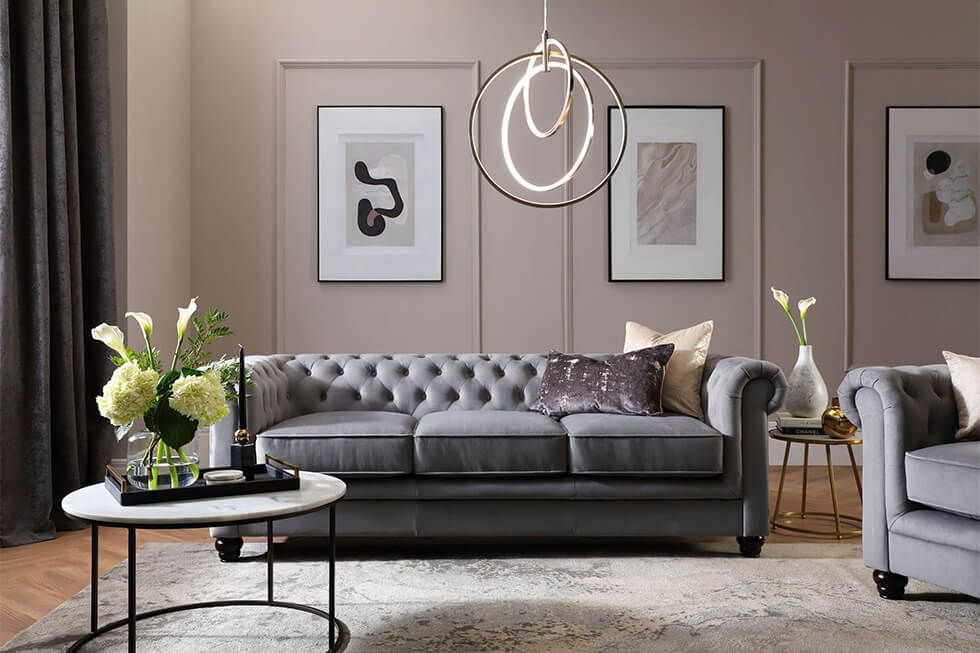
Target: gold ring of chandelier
pixel 539 61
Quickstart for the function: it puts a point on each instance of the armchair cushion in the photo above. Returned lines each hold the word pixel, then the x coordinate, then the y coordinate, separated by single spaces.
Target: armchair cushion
pixel 634 445
pixel 946 477
pixel 343 442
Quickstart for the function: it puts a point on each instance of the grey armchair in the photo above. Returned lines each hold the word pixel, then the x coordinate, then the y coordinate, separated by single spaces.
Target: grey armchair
pixel 921 487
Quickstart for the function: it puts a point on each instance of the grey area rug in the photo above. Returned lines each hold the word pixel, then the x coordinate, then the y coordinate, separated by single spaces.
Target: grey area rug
pixel 672 598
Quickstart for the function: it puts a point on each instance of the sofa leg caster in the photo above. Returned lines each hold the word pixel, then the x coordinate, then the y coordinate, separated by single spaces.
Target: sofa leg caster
pixel 229 548
pixel 890 586
pixel 750 545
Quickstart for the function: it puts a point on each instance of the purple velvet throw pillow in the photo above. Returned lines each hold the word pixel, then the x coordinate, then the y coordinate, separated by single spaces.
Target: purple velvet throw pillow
pixel 626 384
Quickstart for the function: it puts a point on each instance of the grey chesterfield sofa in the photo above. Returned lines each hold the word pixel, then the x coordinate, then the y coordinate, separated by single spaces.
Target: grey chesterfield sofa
pixel 921 488
pixel 443 445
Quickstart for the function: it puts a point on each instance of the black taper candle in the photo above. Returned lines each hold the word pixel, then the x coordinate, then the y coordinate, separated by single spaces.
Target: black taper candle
pixel 242 414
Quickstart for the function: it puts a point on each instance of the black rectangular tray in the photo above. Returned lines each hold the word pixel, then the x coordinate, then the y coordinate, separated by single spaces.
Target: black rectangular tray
pixel 274 476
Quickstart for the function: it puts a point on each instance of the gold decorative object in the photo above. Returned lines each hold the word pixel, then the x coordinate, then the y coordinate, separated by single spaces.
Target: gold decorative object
pixel 835 423
pixel 243 436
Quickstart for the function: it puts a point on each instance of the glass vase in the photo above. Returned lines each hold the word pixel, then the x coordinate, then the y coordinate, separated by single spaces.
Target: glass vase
pixel 152 465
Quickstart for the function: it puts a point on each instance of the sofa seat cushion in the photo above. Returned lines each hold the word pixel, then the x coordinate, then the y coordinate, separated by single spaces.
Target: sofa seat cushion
pixel 946 477
pixel 346 442
pixel 489 443
pixel 632 445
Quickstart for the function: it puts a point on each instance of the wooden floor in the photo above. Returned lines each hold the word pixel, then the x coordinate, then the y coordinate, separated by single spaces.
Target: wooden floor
pixel 36 578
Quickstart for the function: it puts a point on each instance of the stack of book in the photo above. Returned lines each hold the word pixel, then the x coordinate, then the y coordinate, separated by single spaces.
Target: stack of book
pixel 799 425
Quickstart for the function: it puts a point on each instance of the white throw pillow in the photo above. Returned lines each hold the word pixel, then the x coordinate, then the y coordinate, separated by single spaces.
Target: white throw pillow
pixel 965 373
pixel 682 386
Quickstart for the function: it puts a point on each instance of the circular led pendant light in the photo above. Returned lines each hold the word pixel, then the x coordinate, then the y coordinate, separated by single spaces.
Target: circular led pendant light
pixel 550 53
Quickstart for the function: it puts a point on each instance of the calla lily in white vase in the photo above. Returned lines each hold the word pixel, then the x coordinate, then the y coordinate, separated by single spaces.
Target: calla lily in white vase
pixel 806 394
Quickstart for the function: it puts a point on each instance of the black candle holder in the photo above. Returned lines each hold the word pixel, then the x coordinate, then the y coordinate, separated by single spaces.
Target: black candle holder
pixel 243 453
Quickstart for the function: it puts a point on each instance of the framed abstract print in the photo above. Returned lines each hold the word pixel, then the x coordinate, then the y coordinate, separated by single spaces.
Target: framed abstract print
pixel 932 162
pixel 379 193
pixel 667 199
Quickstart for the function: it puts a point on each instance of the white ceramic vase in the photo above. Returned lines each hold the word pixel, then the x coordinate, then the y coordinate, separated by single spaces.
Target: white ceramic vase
pixel 806 395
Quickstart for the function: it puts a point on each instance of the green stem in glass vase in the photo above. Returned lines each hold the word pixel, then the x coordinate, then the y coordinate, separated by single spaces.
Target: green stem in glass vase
pixel 184 459
pixel 174 480
pixel 153 483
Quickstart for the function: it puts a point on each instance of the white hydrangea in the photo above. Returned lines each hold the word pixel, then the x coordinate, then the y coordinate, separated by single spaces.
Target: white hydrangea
pixel 127 394
pixel 200 397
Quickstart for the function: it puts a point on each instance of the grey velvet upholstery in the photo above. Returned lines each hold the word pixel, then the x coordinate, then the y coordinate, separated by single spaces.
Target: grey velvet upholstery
pixel 349 442
pixel 499 442
pixel 485 465
pixel 946 477
pixel 619 445
pixel 908 417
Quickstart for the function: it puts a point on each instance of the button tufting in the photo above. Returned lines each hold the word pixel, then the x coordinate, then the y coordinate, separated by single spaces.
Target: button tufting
pixel 340 371
pixel 372 371
pixel 323 396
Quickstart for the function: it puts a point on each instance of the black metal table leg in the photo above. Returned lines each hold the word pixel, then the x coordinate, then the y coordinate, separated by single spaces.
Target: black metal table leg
pixel 95 577
pixel 268 557
pixel 333 560
pixel 131 587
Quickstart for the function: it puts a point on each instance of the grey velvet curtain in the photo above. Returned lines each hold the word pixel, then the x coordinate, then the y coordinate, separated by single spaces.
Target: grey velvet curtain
pixel 56 257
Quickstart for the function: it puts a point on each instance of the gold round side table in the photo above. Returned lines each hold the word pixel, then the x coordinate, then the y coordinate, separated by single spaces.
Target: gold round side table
pixel 844 526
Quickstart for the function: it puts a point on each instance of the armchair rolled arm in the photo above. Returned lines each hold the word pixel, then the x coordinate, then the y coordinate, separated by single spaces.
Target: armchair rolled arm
pixel 723 384
pixel 898 409
pixel 917 402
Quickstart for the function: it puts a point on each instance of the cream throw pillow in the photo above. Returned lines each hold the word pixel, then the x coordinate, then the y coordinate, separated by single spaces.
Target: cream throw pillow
pixel 682 386
pixel 965 373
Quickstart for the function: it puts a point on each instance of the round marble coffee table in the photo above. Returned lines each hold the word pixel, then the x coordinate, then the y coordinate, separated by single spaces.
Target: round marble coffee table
pixel 95 505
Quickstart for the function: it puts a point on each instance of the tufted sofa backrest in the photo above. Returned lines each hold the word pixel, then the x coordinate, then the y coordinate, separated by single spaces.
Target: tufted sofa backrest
pixel 414 384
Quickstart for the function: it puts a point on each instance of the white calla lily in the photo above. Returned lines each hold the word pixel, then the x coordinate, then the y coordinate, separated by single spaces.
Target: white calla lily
pixel 781 298
pixel 144 320
pixel 805 304
pixel 112 337
pixel 184 317
pixel 146 325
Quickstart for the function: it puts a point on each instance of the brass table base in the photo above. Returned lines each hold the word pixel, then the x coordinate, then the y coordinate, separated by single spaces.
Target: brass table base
pixel 784 520
pixel 841 526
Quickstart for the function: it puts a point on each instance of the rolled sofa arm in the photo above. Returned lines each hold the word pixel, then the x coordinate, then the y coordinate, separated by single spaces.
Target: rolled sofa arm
pixel 737 395
pixel 723 384
pixel 269 402
pixel 898 409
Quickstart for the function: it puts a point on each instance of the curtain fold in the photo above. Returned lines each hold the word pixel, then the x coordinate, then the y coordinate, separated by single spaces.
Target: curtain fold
pixel 57 264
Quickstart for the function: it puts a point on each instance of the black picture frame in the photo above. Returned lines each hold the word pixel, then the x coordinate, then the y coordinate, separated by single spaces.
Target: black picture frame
pixel 724 203
pixel 888 116
pixel 442 190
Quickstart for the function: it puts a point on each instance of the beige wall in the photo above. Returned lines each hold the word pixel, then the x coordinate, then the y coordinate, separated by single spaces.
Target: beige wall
pixel 205 79
pixel 158 162
pixel 539 281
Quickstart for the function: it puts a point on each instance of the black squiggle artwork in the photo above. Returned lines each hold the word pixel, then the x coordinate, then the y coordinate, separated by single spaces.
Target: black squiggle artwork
pixel 371 220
